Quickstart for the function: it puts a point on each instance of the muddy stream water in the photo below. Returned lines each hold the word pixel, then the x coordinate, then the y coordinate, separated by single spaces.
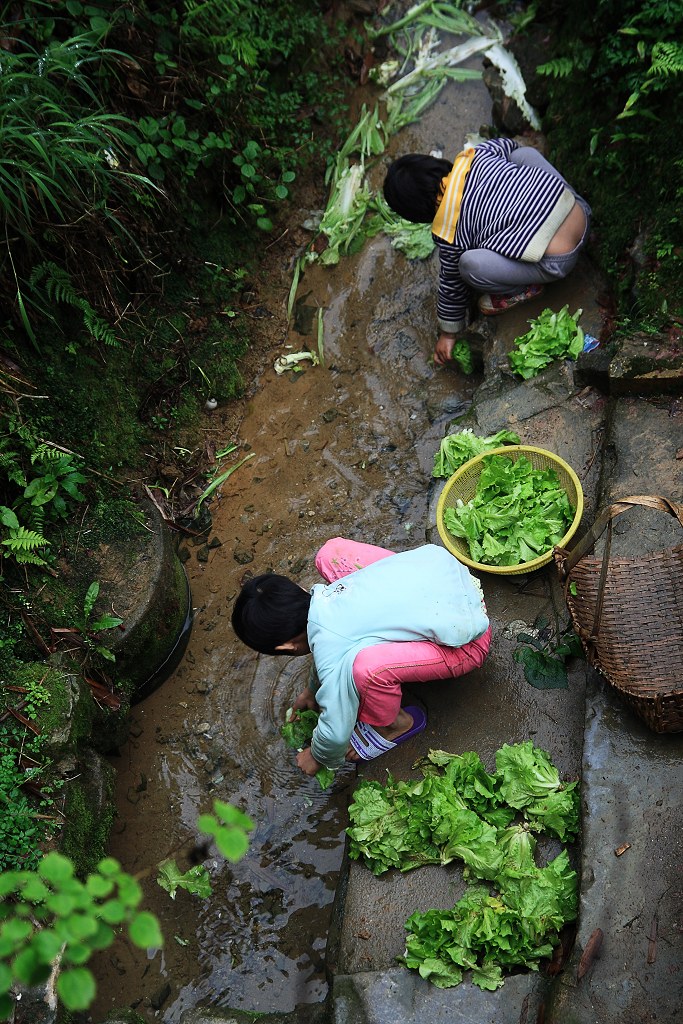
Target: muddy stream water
pixel 341 449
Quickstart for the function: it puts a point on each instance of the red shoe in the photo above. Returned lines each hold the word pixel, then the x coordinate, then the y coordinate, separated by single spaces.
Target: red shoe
pixel 494 305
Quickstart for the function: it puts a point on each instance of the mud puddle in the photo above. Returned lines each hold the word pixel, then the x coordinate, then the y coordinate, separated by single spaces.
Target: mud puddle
pixel 345 448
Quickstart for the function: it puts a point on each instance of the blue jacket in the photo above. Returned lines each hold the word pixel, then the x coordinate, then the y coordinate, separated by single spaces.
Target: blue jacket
pixel 422 594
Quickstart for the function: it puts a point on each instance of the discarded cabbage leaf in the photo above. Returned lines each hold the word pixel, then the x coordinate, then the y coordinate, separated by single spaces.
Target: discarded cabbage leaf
pixel 291 361
pixel 513 82
pixel 345 213
pixel 195 881
pixel 414 240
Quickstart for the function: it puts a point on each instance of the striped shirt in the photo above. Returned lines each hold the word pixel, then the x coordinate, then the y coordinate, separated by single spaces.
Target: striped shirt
pixel 505 208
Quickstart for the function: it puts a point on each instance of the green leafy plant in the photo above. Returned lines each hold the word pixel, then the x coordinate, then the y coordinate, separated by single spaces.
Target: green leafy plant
pixel 21 831
pixel 613 75
pixel 28 788
pixel 20 543
pixel 61 158
pixel 544 658
pixel 51 922
pixel 60 288
pixel 88 629
pixel 50 919
pixel 229 828
pixel 49 488
pixel 56 481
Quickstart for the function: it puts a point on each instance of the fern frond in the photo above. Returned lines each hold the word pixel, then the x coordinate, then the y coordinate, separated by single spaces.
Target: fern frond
pixel 47 453
pixel 8 459
pixel 58 283
pixel 24 540
pixel 34 516
pixel 98 328
pixel 60 288
pixel 667 59
pixel 561 67
pixel 28 558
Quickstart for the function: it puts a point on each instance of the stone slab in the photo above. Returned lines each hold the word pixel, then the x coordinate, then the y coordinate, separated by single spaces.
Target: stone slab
pixel 632 781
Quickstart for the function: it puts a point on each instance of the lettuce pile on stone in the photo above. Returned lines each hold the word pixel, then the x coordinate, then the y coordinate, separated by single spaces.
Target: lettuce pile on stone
pixel 513 910
pixel 550 336
pixel 517 512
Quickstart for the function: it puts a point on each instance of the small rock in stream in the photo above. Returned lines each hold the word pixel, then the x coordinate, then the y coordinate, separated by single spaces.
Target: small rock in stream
pixel 159 997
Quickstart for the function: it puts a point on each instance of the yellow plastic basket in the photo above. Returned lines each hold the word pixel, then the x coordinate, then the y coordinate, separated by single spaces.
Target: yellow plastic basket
pixel 463 484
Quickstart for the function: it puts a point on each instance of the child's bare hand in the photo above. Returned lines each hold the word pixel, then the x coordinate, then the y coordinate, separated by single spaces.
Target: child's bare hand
pixel 306 761
pixel 305 701
pixel 444 348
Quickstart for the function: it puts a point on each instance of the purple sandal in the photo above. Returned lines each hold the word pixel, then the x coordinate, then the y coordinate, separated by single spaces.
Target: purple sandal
pixel 368 743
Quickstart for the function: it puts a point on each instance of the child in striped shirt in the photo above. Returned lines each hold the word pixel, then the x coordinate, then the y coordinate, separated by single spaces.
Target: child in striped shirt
pixel 504 220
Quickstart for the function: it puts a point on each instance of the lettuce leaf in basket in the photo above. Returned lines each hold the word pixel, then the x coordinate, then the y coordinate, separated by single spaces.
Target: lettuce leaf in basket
pixel 457 449
pixel 517 513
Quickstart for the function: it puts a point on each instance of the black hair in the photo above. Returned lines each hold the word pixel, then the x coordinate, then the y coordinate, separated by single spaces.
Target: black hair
pixel 269 611
pixel 412 186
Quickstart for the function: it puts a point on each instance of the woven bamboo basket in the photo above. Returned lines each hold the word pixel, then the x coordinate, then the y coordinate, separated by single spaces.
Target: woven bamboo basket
pixel 628 613
pixel 463 485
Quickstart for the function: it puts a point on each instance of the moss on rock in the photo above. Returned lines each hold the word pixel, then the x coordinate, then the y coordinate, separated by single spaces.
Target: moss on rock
pixel 89 812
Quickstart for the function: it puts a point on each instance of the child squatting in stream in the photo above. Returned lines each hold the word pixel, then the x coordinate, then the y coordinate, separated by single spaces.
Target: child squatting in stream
pixel 505 223
pixel 380 620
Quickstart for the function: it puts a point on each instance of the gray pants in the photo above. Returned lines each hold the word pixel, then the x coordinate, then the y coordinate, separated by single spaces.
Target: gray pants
pixel 485 270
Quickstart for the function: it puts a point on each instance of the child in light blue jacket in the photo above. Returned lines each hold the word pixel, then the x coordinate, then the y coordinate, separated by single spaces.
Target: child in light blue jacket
pixel 382 619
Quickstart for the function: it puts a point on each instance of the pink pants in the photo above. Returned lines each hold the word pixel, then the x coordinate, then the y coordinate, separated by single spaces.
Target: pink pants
pixel 379 670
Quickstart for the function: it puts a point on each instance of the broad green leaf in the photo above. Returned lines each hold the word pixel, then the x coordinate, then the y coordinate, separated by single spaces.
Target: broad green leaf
pixel 232 843
pixel 55 868
pixel 47 945
pixel 144 931
pixel 76 988
pixel 99 887
pixel 5 978
pixel 28 967
pixel 113 912
pixel 232 815
pixel 541 670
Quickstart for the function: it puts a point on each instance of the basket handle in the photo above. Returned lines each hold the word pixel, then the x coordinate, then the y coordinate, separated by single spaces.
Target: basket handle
pixel 659 503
